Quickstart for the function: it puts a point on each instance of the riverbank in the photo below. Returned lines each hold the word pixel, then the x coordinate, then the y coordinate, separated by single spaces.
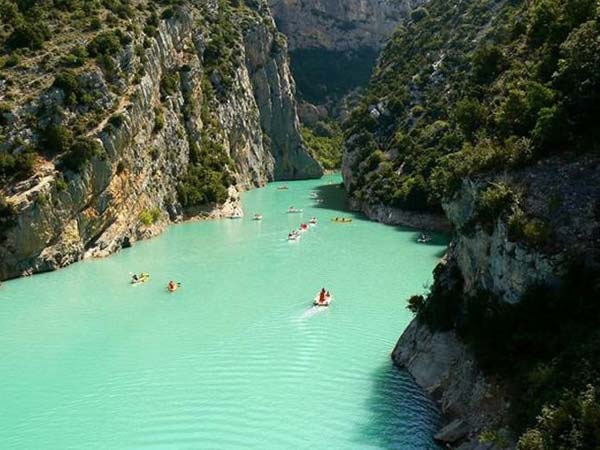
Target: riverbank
pixel 395 216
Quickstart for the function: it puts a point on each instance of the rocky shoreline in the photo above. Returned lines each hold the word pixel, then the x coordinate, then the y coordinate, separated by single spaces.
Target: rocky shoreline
pixel 394 216
pixel 470 402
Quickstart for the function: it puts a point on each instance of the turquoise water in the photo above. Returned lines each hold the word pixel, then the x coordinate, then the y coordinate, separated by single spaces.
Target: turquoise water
pixel 235 359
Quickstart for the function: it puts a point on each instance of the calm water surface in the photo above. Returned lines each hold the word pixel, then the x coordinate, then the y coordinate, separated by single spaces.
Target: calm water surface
pixel 235 359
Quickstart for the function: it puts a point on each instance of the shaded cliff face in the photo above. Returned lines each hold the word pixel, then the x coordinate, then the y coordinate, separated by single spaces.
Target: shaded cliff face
pixel 552 221
pixel 470 401
pixel 170 125
pixel 497 265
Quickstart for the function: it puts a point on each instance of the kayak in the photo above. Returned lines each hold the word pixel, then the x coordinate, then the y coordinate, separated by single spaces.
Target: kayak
pixel 142 279
pixel 258 217
pixel 313 221
pixel 341 220
pixel 236 215
pixel 294 211
pixel 326 302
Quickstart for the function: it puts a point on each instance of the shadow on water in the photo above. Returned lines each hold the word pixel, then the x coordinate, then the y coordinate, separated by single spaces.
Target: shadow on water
pixel 403 417
pixel 333 196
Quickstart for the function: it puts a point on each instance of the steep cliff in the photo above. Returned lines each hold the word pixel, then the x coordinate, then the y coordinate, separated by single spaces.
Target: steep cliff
pixel 484 112
pixel 161 114
pixel 476 343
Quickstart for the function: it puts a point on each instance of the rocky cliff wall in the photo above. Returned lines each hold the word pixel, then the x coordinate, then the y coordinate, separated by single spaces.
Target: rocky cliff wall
pixel 149 133
pixel 561 197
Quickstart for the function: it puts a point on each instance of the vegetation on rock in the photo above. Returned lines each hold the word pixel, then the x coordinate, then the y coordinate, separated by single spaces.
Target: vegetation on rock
pixel 481 86
pixel 482 90
pixel 325 140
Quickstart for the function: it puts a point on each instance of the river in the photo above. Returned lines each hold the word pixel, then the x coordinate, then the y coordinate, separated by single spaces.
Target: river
pixel 236 358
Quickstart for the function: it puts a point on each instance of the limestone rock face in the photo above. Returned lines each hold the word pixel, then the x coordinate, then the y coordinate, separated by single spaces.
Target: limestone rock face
pixel 562 194
pixel 63 216
pixel 274 91
pixel 341 25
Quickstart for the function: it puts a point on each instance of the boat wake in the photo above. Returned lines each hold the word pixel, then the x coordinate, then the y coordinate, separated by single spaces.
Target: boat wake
pixel 312 311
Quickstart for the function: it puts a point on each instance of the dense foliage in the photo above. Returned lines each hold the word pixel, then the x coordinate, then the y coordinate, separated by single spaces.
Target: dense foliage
pixel 7 216
pixel 478 86
pixel 325 141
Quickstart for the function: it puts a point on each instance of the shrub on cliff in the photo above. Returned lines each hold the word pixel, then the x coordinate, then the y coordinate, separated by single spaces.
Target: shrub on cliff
pixel 19 166
pixel 106 43
pixel 495 200
pixel 80 153
pixel 28 35
pixel 325 140
pixel 573 423
pixel 201 186
pixel 7 217
pixel 149 217
pixel 530 231
pixel 55 138
pixel 440 309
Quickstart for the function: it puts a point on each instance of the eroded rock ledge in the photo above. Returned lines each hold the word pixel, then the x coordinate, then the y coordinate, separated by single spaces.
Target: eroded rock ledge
pixel 470 402
pixel 395 216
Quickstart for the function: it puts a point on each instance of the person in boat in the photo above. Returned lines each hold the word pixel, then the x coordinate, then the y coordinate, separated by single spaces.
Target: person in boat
pixel 322 295
pixel 327 294
pixel 171 285
pixel 135 278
